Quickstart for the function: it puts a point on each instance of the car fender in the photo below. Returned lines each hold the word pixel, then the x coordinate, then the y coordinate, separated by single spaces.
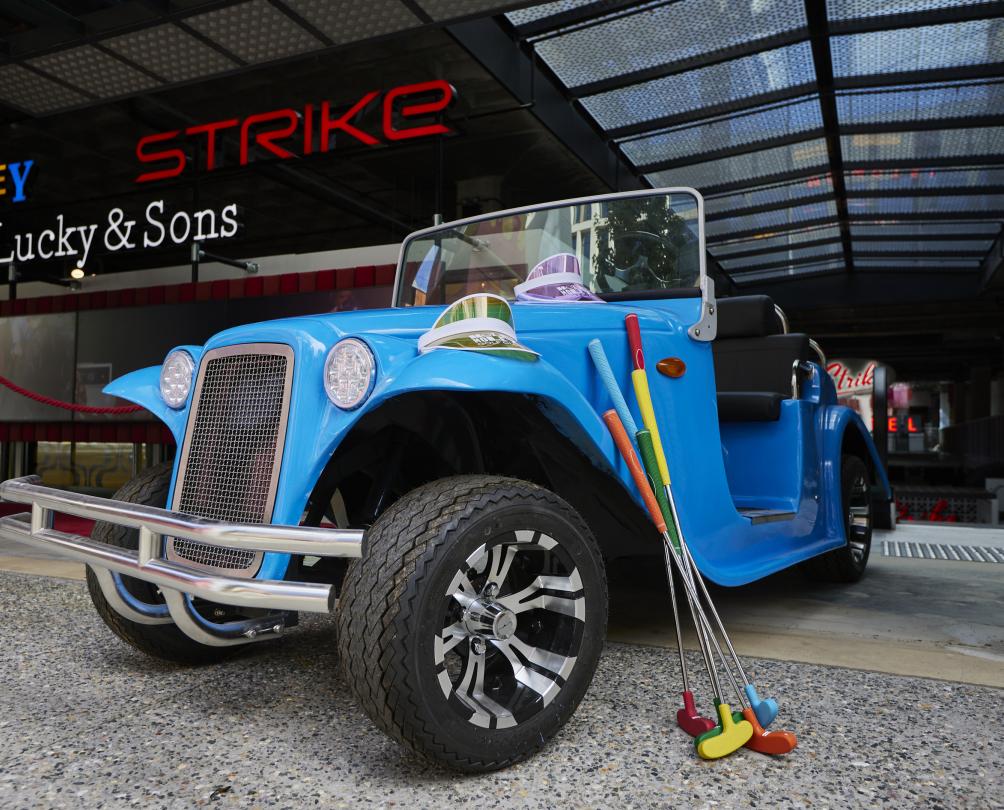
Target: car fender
pixel 443 370
pixel 142 387
pixel 836 420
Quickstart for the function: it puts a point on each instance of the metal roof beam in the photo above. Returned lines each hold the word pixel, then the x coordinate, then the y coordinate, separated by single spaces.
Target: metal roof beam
pixel 991 273
pixel 573 17
pixel 538 90
pixel 822 60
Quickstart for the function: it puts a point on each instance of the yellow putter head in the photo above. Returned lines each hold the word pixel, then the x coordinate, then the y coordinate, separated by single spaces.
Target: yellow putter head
pixel 733 736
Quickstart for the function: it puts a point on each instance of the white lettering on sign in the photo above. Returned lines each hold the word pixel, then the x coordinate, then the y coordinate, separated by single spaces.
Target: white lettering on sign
pixel 852 381
pixel 121 233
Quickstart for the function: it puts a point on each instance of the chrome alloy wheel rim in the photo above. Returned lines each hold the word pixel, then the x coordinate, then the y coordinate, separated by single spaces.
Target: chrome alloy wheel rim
pixel 514 617
pixel 859 519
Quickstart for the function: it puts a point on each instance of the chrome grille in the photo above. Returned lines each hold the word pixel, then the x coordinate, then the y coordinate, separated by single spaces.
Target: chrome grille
pixel 233 447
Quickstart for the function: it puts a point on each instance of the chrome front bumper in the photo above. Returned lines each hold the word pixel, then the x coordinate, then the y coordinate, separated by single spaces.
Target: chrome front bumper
pixel 178 583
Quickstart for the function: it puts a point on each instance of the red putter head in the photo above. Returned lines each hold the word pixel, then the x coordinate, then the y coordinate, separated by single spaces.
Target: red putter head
pixel 689 720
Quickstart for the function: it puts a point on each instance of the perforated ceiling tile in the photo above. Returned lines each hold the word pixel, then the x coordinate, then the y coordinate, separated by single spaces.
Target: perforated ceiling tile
pixel 256 31
pixel 909 261
pixel 37 94
pixel 350 20
pixel 721 228
pixel 737 130
pixel 919 229
pixel 527 15
pixel 771 240
pixel 921 104
pixel 912 179
pixel 170 52
pixel 448 9
pixel 807 155
pixel 788 272
pixel 693 90
pixel 94 71
pixel 928 47
pixel 976 204
pixel 855 9
pixel 663 34
pixel 769 195
pixel 795 255
pixel 942 143
pixel 948 246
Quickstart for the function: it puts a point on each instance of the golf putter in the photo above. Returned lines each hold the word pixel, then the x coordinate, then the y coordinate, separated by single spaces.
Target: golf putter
pixel 732 735
pixel 766 710
pixel 688 718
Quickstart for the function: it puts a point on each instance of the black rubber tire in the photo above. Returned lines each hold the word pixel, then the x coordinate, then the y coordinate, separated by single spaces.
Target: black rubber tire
pixel 387 615
pixel 840 565
pixel 163 641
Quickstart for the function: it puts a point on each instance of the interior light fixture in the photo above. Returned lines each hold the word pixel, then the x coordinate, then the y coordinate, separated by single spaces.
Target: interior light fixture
pixel 77 273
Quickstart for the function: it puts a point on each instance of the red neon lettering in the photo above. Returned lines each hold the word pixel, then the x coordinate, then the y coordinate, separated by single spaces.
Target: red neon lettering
pixel 329 125
pixel 267 139
pixel 893 425
pixel 392 133
pixel 308 129
pixel 211 130
pixel 910 426
pixel 153 157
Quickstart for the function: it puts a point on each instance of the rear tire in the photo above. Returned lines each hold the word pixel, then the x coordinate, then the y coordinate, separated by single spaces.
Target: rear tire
pixel 472 626
pixel 163 641
pixel 848 563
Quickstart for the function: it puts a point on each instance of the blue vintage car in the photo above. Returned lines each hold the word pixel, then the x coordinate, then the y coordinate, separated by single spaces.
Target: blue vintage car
pixel 439 475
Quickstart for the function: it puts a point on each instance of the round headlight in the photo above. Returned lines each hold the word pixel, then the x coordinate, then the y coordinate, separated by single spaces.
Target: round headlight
pixel 349 372
pixel 176 378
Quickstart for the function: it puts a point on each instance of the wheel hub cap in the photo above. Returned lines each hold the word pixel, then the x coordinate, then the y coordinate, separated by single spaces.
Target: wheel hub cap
pixel 485 617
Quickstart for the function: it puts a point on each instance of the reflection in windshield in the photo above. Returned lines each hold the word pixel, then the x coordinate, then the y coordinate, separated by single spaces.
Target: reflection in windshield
pixel 621 244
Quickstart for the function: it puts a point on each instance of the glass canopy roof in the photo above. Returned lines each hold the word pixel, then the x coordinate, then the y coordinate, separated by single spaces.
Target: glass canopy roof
pixel 852 135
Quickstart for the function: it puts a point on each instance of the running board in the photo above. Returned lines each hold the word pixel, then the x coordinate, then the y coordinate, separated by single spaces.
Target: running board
pixel 766 515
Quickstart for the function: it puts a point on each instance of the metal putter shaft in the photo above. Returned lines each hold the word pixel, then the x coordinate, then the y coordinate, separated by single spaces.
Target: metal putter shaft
pixel 688 718
pixel 766 710
pixel 732 735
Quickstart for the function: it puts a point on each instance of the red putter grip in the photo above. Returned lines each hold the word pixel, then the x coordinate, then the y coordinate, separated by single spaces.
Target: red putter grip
pixel 634 340
pixel 623 443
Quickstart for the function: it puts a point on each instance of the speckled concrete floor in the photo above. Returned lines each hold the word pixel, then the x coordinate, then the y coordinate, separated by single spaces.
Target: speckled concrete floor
pixel 86 722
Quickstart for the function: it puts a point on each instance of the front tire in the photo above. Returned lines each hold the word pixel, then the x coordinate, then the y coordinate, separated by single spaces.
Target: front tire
pixel 848 563
pixel 472 626
pixel 164 641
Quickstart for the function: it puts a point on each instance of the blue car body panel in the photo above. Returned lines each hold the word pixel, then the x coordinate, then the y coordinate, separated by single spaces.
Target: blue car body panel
pixel 792 464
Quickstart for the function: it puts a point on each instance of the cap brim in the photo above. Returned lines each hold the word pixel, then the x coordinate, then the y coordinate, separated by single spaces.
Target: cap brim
pixel 486 342
pixel 564 291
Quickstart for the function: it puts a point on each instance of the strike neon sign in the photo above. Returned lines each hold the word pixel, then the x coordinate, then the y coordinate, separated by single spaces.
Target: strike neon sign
pixel 290 133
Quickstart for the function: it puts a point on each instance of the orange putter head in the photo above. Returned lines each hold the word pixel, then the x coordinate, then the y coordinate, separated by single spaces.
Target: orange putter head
pixel 733 736
pixel 768 742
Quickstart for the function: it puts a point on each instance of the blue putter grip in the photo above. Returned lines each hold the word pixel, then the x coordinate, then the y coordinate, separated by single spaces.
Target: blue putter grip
pixel 607 377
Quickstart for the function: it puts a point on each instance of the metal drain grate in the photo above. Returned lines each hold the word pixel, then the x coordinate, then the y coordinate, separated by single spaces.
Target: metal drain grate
pixel 942 551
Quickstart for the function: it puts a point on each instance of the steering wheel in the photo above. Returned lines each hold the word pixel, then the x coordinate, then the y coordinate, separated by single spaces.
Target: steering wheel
pixel 640 259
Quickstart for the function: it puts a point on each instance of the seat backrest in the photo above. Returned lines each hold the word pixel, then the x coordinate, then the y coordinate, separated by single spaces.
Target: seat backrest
pixel 751 352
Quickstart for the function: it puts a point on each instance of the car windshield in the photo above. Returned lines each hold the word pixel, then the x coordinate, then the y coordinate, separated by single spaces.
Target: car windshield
pixel 622 244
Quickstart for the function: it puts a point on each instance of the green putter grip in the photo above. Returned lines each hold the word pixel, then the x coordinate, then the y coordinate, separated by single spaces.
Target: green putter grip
pixel 648 458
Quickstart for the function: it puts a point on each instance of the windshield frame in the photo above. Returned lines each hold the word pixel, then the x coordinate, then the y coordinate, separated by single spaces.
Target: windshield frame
pixel 596 198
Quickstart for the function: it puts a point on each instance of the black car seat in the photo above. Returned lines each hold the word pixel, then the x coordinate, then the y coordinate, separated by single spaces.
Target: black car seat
pixel 753 359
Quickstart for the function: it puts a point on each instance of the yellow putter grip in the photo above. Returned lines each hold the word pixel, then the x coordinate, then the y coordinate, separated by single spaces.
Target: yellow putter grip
pixel 644 397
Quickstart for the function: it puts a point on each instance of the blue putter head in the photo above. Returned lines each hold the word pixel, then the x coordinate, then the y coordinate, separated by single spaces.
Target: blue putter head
pixel 765 710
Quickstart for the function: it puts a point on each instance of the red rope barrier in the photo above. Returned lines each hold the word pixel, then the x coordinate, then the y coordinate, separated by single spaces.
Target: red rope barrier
pixel 69 406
